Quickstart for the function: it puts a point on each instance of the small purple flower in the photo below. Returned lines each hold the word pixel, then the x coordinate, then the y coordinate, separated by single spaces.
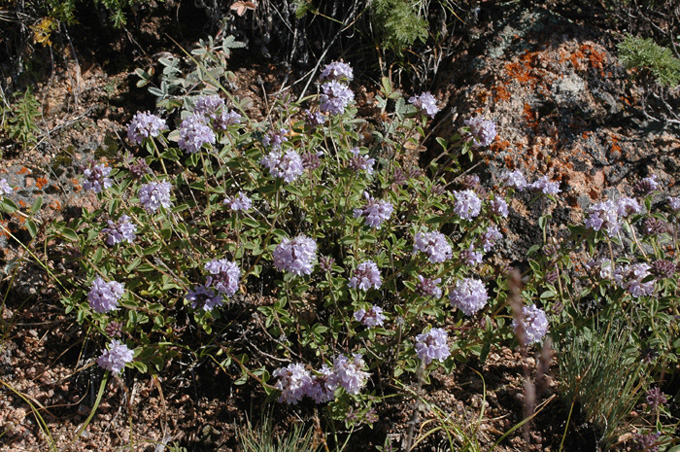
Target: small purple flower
pixel 429 287
pixel 208 106
pixel 515 179
pixel 114 329
pixel 348 373
pixel 627 206
pixel 471 257
pixel 534 323
pixel 482 132
pixel 204 297
pixel 194 132
pixel 655 226
pixel 225 276
pixel 371 318
pixel 104 296
pixel 287 166
pixel 337 70
pixel 655 398
pixel 335 97
pixel 490 237
pixel 293 382
pixel 469 296
pixel 5 189
pixel 468 204
pixel 434 244
pixel 604 215
pixel 375 212
pixel 360 162
pixel 632 278
pixel 663 268
pixel 296 256
pixel 674 203
pixel 116 357
pixel 154 195
pixel 546 186
pixel 225 119
pixel 322 387
pixel 648 442
pixel 96 177
pixel 314 119
pixel 366 275
pixel 239 202
pixel 311 160
pixel 432 345
pixel 426 103
pixel 121 231
pixel 646 185
pixel 138 168
pixel 499 207
pixel 145 125
pixel 275 139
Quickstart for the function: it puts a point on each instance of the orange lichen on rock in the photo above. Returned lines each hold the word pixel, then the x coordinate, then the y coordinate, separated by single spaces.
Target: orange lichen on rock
pixel 41 182
pixel 499 146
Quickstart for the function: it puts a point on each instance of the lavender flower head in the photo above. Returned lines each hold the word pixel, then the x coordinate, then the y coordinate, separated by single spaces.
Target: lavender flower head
pixel 293 382
pixel 208 106
pixel 314 119
pixel 348 373
pixel 534 323
pixel 335 97
pixel 434 244
pixel 429 287
pixel 626 207
pixel 375 212
pixel 482 131
pixel 674 203
pixel 225 276
pixel 365 275
pixel 121 231
pixel 469 296
pixel 116 357
pixel 646 185
pixel 371 318
pixel 296 256
pixel 194 132
pixel 432 345
pixel 104 296
pixel 360 162
pixel 468 205
pixel 604 215
pixel 490 237
pixel 204 297
pixel 515 179
pixel 145 125
pixel 225 119
pixel 426 103
pixel 546 186
pixel 634 278
pixel 322 388
pixel 655 398
pixel 5 189
pixel 239 202
pixel 471 257
pixel 96 177
pixel 311 160
pixel 648 442
pixel 275 139
pixel 337 70
pixel 154 195
pixel 287 166
pixel 499 207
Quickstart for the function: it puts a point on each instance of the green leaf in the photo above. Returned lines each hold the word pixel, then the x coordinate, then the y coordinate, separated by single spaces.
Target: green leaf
pixel 37 204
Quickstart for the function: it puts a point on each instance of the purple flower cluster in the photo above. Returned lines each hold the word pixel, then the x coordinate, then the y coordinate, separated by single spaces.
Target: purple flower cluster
pixel 5 189
pixel 646 185
pixel 296 255
pixel 335 97
pixel 104 296
pixel 426 103
pixel 194 132
pixel 337 70
pixel 145 125
pixel 434 244
pixel 655 398
pixel 116 357
pixel 375 212
pixel 154 195
pixel 208 106
pixel 314 119
pixel 546 186
pixel 225 119
pixel 469 296
pixel 515 179
pixel 648 442
pixel 366 275
pixel 204 297
pixel 275 139
pixel 287 166
pixel 534 324
pixel 121 231
pixel 311 160
pixel 432 345
pixel 605 215
pixel 360 162
pixel 296 382
pixel 471 257
pixel 429 287
pixel 635 278
pixel 96 177
pixel 674 203
pixel 224 276
pixel 499 207
pixel 468 205
pixel 239 202
pixel 371 318
pixel 490 237
pixel 482 132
